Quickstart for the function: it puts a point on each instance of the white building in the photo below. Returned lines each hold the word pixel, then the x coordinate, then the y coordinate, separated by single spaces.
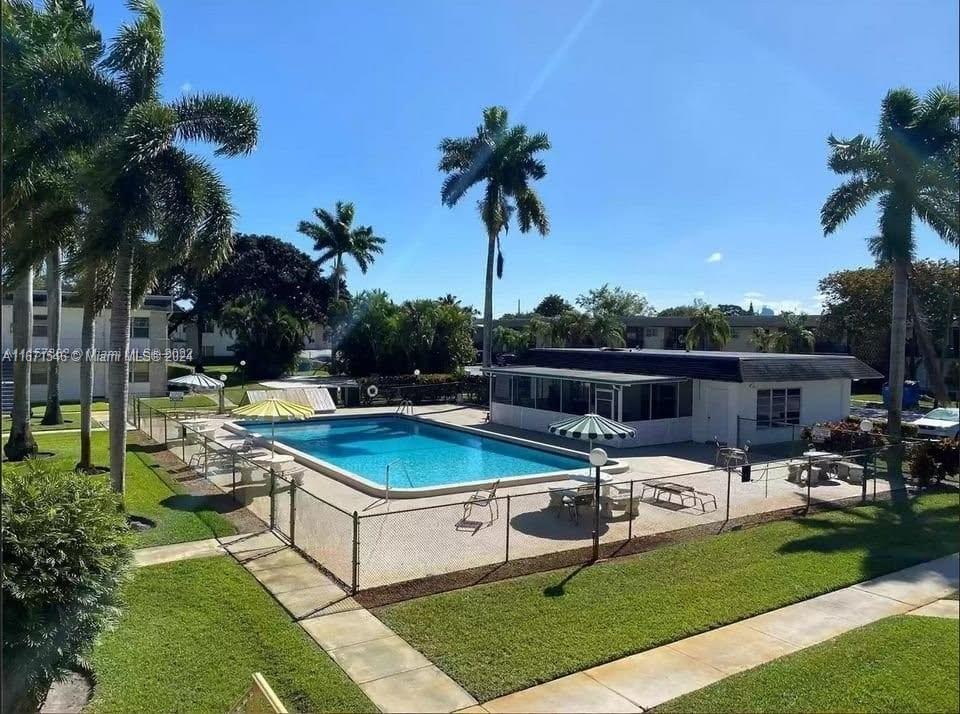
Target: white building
pixel 672 396
pixel 148 331
pixel 216 345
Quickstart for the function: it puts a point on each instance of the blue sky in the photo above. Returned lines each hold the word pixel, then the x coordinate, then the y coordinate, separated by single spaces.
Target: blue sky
pixel 689 153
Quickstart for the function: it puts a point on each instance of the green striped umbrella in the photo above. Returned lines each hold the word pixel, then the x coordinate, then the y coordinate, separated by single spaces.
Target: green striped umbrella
pixel 591 427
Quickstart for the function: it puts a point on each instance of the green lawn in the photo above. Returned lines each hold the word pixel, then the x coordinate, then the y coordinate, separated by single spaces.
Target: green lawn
pixel 900 664
pixel 193 633
pixel 149 493
pixel 71 417
pixel 502 637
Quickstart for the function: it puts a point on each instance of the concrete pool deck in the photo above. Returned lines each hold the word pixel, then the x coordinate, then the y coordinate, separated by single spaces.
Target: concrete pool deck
pixel 403 539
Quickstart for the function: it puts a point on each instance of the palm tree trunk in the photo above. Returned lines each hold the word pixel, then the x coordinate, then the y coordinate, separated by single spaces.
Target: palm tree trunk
pixel 488 299
pixel 336 277
pixel 86 373
pixel 927 349
pixel 198 359
pixel 118 376
pixel 52 414
pixel 21 443
pixel 898 338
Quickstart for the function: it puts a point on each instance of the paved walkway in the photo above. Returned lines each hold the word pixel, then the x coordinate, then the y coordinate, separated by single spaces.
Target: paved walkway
pixel 644 680
pixel 395 676
pixel 178 551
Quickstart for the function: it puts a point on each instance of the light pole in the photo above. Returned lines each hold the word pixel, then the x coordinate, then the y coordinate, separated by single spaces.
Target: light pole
pixel 598 457
pixel 243 374
pixel 223 384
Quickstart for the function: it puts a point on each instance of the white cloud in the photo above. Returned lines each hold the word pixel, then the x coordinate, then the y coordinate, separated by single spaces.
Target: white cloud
pixel 186 87
pixel 715 258
pixel 753 295
pixel 699 293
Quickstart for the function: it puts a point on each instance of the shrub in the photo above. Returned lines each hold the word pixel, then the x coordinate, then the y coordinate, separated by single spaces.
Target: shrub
pixel 923 466
pixel 845 436
pixel 66 550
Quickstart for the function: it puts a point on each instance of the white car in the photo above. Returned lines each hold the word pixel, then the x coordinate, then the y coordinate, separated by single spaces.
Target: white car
pixel 939 422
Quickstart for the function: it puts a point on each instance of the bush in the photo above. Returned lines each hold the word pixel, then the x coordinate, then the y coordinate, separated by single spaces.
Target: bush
pixel 845 436
pixel 425 388
pixel 923 466
pixel 66 551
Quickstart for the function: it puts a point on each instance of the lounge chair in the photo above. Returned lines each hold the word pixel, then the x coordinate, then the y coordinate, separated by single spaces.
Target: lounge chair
pixel 483 498
pixel 572 500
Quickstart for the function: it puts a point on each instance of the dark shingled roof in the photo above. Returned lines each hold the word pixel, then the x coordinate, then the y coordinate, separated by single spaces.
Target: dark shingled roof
pixel 720 366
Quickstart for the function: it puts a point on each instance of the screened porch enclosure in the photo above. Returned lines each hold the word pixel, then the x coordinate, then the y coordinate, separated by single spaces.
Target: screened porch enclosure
pixel 653 398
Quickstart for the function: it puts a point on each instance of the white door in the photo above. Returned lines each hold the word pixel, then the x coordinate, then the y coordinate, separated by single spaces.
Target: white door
pixel 717 413
pixel 603 403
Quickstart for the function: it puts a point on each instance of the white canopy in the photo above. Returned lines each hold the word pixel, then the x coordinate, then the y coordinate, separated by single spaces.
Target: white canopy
pixel 197 381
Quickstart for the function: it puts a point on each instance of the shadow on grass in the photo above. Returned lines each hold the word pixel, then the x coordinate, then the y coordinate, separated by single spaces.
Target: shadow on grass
pixel 221 503
pixel 559 589
pixel 146 448
pixel 894 533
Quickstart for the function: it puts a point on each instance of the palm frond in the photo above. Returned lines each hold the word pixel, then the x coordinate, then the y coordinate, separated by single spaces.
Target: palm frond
pixel 848 198
pixel 219 119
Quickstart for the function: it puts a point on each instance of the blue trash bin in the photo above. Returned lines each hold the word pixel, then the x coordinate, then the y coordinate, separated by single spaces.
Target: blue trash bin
pixel 911 394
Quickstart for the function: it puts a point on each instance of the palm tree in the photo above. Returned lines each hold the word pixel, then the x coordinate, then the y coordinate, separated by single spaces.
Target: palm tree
pixel 911 168
pixel 153 204
pixel 52 414
pixel 793 337
pixel 50 89
pixel 761 339
pixel 504 159
pixel 335 238
pixel 708 327
pixel 606 330
pixel 94 289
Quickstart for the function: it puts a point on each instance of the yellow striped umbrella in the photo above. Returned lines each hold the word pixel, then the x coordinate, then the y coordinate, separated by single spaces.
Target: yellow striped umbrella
pixel 274 408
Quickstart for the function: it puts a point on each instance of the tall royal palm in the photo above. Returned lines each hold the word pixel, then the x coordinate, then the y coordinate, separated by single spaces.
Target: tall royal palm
pixel 504 159
pixel 51 88
pixel 911 167
pixel 153 204
pixel 335 237
pixel 708 327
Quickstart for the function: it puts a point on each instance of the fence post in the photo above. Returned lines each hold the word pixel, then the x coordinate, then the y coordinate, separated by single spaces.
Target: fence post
pixel 866 474
pixel 206 450
pixel 295 481
pixel 737 444
pixel 506 558
pixel 183 443
pixel 809 481
pixel 165 422
pixel 150 422
pixel 631 514
pixel 355 585
pixel 233 475
pixel 273 498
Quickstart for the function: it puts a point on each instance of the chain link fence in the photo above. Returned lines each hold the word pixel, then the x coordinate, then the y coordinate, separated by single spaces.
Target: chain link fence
pixel 397 544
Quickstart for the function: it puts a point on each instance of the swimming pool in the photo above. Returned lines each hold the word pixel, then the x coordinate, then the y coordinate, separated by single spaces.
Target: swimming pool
pixel 420 455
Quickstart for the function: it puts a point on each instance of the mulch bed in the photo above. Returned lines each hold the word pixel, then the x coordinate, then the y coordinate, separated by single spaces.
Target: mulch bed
pixel 194 483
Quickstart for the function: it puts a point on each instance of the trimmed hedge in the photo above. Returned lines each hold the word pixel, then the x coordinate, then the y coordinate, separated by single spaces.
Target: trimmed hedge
pixel 425 388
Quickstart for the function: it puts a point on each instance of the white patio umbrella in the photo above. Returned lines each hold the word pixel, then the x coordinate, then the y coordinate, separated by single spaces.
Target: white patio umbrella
pixel 591 427
pixel 197 382
pixel 274 408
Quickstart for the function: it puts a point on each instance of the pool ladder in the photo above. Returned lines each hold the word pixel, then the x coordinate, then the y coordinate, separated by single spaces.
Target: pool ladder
pixel 406 407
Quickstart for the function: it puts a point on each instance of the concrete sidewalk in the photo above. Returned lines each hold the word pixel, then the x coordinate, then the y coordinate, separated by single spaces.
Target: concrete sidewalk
pixel 395 676
pixel 644 680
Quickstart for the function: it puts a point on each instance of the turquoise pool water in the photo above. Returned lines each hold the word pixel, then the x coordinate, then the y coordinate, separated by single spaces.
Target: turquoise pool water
pixel 419 454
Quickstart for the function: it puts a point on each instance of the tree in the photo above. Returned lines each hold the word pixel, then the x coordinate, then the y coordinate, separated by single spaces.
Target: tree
pixel 268 335
pixel 511 340
pixel 762 339
pixel 52 413
pixel 335 238
pixel 258 265
pixel 731 310
pixel 911 168
pixel 855 306
pixel 708 327
pixel 793 337
pixel 678 311
pixel 606 330
pixel 94 289
pixel 51 92
pixel 552 305
pixel 504 159
pixel 615 302
pixel 152 203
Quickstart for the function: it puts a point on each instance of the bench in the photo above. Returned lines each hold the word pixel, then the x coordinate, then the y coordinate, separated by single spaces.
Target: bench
pixel 681 490
pixel 850 471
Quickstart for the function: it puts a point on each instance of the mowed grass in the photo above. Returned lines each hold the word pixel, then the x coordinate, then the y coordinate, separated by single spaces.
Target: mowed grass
pixel 502 637
pixel 71 417
pixel 900 664
pixel 193 633
pixel 150 493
